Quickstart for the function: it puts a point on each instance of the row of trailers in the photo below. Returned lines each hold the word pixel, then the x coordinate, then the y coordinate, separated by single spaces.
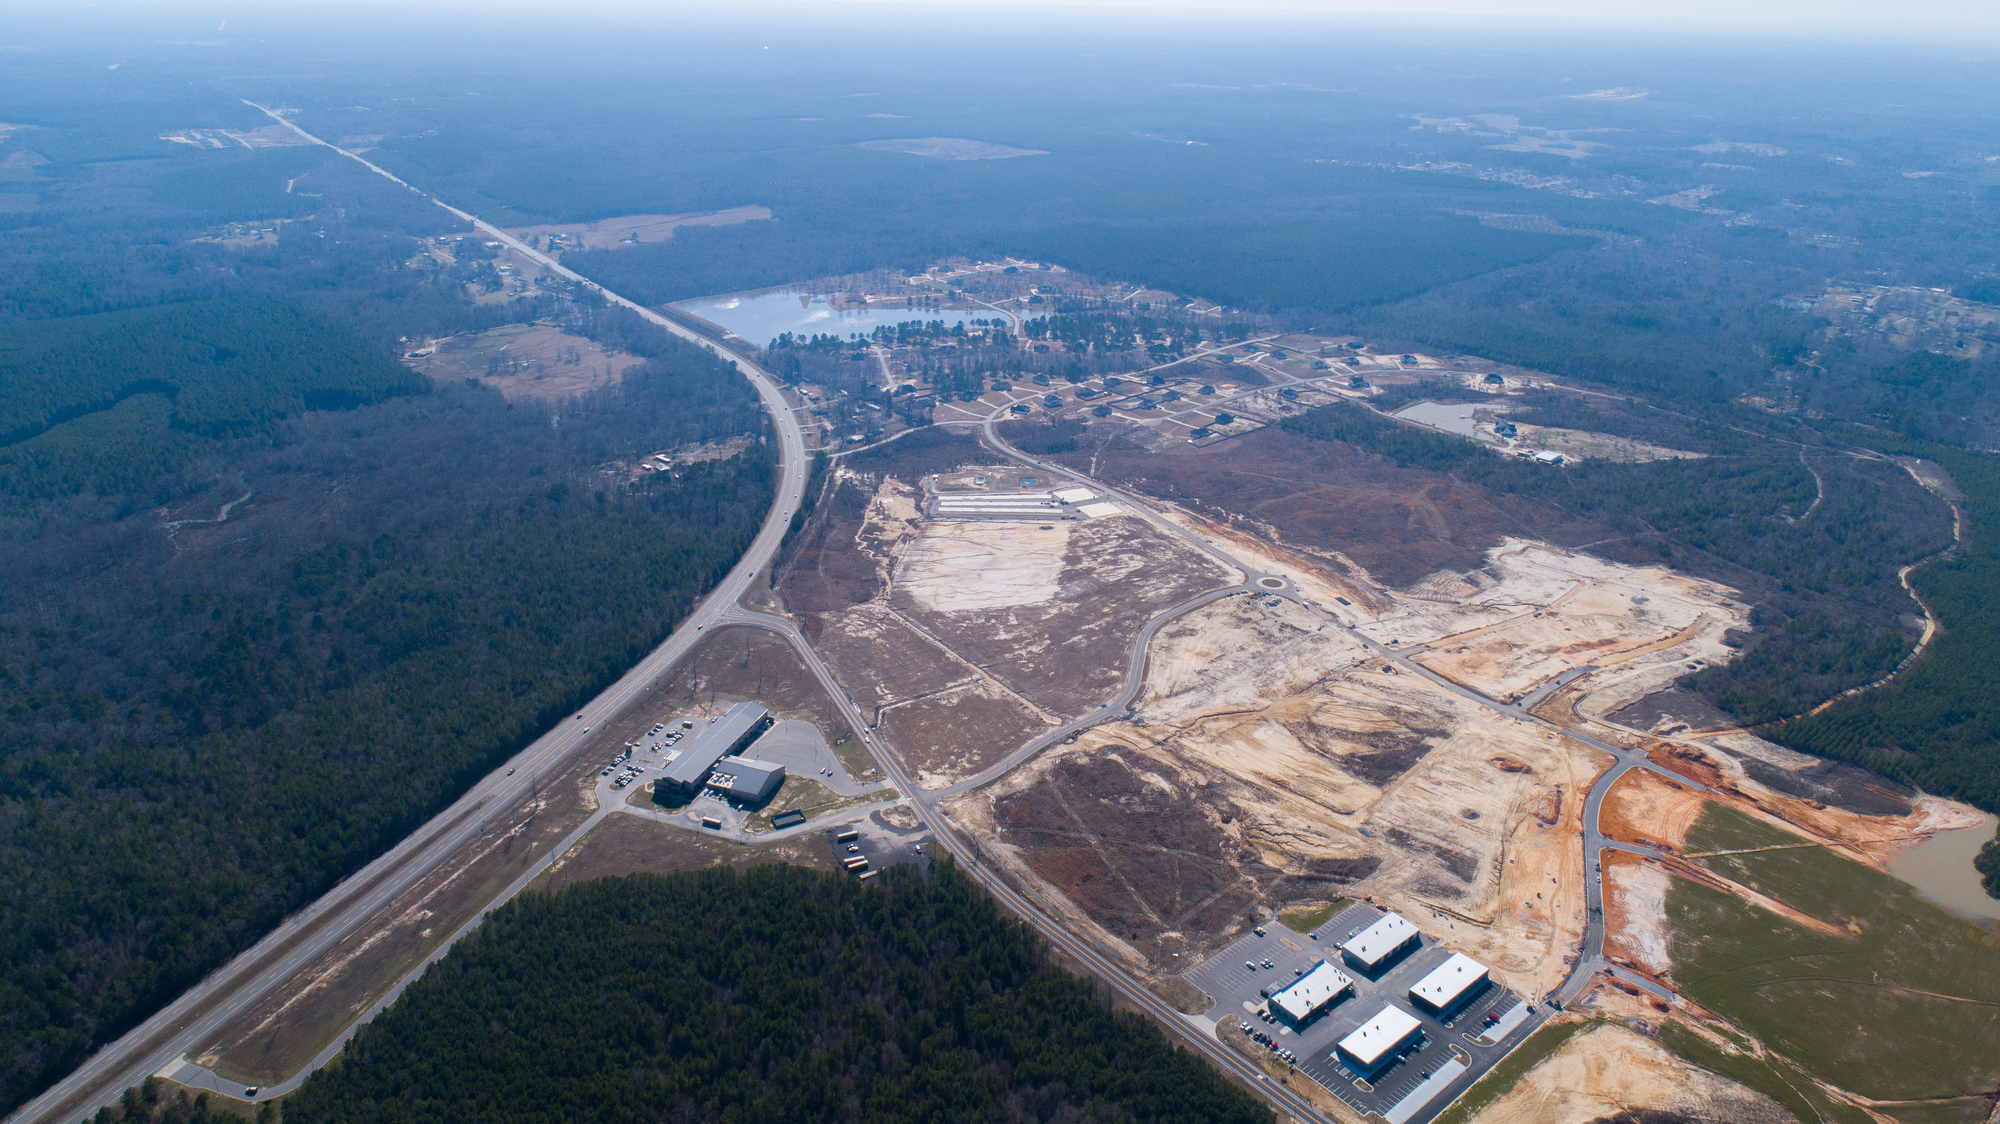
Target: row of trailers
pixel 1385 1034
pixel 847 849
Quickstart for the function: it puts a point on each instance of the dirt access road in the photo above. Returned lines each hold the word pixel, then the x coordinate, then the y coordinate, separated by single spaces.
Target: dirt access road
pixel 1592 960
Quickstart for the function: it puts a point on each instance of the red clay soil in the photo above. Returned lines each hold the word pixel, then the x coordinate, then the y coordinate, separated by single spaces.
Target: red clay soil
pixel 1687 762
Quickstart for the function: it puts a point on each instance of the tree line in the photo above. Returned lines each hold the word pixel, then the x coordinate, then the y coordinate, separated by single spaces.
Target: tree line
pixel 776 994
pixel 1828 606
pixel 230 717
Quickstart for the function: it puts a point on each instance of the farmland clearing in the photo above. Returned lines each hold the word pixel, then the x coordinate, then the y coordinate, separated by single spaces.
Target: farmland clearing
pixel 631 230
pixel 527 361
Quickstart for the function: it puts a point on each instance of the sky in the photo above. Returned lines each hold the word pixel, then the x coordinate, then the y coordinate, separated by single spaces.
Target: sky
pixel 1587 11
pixel 1808 18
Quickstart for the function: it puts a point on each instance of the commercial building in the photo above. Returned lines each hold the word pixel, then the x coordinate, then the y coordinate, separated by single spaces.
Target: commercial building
pixel 1036 505
pixel 1449 984
pixel 1379 1039
pixel 746 779
pixel 1307 996
pixel 1378 946
pixel 729 734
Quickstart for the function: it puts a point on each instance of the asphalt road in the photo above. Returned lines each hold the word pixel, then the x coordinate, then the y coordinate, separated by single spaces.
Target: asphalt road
pixel 166 1038
pixel 202 1010
pixel 1591 960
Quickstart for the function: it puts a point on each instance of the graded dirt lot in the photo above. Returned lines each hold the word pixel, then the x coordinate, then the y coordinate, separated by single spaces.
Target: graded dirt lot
pixel 1577 444
pixel 1274 762
pixel 961 730
pixel 965 638
pixel 1560 610
pixel 632 230
pixel 1608 1069
pixel 527 361
pixel 1050 614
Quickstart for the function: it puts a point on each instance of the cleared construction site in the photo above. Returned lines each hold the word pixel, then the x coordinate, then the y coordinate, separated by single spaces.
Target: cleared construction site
pixel 1397 724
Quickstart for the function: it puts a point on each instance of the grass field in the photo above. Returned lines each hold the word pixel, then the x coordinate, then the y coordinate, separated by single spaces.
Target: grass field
pixel 1306 921
pixel 1907 1006
pixel 1512 1068
pixel 1775 1080
pixel 1962 1110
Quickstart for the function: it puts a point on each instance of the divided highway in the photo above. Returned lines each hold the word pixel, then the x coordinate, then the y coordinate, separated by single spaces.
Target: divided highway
pixel 163 1041
pixel 183 1025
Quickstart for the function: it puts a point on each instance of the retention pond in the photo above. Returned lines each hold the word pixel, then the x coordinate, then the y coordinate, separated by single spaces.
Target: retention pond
pixel 1941 870
pixel 763 315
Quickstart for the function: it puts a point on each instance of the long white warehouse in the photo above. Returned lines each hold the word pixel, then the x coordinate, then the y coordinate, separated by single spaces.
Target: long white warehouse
pixel 1449 983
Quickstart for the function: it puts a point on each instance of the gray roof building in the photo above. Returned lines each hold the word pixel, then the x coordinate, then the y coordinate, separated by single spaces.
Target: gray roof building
pixel 746 778
pixel 1376 1040
pixel 729 734
pixel 1449 983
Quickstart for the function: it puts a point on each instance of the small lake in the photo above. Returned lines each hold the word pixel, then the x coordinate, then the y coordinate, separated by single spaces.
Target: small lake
pixel 1452 418
pixel 1941 870
pixel 761 316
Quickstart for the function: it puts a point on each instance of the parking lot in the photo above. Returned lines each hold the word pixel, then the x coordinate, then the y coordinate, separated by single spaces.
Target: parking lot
pixel 882 843
pixel 1448 1060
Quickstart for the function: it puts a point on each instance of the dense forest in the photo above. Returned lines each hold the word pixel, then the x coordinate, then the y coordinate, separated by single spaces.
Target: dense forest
pixel 777 994
pixel 238 713
pixel 1937 724
pixel 1310 267
pixel 276 599
pixel 119 402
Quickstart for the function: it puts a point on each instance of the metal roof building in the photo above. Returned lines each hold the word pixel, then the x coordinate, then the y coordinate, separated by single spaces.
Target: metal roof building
pixel 1312 993
pixel 1449 983
pixel 728 734
pixel 746 778
pixel 1378 943
pixel 1379 1038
